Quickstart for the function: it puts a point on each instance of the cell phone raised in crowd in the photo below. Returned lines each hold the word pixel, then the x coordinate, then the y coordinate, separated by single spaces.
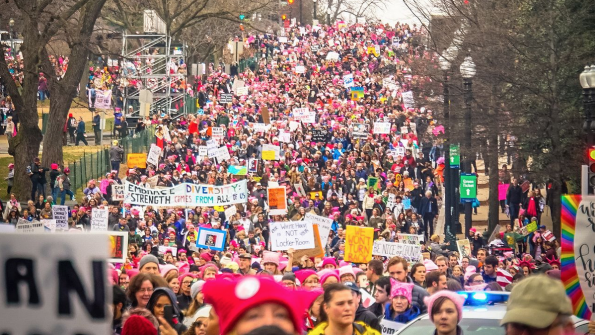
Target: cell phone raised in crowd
pixel 168 314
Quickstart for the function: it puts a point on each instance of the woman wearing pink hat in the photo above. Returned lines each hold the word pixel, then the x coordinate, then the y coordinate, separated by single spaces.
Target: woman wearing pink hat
pixel 445 309
pixel 400 309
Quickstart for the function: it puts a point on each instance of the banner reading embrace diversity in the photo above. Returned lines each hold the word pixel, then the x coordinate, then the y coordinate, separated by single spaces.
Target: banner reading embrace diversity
pixel 187 195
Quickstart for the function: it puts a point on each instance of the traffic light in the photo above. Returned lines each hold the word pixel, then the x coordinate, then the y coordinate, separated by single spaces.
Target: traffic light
pixel 242 17
pixel 290 2
pixel 592 167
pixel 283 17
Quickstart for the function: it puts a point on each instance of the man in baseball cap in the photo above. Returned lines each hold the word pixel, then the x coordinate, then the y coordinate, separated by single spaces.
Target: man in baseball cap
pixel 537 304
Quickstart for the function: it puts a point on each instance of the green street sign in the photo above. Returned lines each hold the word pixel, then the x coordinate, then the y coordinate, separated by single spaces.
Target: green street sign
pixel 468 187
pixel 455 156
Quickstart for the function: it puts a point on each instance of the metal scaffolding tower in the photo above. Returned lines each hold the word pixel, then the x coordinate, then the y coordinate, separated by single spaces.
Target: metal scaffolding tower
pixel 153 66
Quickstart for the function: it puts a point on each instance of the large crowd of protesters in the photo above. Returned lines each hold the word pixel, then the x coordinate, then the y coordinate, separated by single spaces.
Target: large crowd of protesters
pixel 246 287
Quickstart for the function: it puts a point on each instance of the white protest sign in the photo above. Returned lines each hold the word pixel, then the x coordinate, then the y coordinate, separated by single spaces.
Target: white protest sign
pixel 231 211
pixel 299 188
pixel 260 127
pixel 292 234
pixel 217 133
pixel 400 151
pixel 410 238
pixel 301 114
pixel 99 219
pixel 221 154
pixel 348 80
pixel 300 69
pixel 381 128
pixel 60 214
pixel 268 148
pixel 390 327
pixel 58 284
pixel 241 91
pixel 293 126
pixel 411 252
pixel 332 56
pixel 211 144
pixel 49 224
pixel 154 154
pixel 282 39
pixel 29 227
pixel 324 226
pixel 391 202
pixel 408 99
pixel 284 137
pixel 117 192
pixel 202 151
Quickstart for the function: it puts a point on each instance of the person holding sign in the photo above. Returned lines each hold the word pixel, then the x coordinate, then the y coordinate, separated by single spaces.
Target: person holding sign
pixel 400 308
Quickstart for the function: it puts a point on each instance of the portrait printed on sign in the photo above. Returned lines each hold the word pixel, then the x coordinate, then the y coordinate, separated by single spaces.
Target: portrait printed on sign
pixel 211 240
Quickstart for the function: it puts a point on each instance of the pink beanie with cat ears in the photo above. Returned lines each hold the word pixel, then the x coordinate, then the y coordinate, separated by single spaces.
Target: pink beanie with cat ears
pixel 456 298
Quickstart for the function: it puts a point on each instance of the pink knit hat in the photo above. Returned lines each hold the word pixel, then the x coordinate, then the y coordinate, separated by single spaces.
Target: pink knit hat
pixel 456 298
pixel 401 289
pixel 346 270
pixel 302 275
pixel 167 268
pixel 326 273
pixel 327 261
pixel 270 257
pixel 430 266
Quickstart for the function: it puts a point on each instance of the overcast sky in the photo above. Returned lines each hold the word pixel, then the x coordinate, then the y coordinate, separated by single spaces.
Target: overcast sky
pixel 396 11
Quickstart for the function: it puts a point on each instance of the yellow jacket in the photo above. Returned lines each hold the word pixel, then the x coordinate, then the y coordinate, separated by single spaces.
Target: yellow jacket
pixel 359 328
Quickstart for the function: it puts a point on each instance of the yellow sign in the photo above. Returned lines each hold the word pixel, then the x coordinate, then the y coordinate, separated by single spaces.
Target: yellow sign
pixel 313 195
pixel 372 51
pixel 137 160
pixel 268 155
pixel 358 244
pixel 219 208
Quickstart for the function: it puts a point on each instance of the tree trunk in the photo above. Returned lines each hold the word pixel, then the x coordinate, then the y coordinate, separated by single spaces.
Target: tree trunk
pixel 493 202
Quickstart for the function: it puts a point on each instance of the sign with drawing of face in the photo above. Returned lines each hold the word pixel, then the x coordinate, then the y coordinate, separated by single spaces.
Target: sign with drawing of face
pixel 211 238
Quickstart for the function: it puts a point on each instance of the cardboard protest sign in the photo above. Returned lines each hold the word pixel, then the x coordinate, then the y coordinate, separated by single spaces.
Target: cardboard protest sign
pixel 137 160
pixel 117 192
pixel 358 244
pixel 464 248
pixel 60 214
pixel 299 189
pixel 410 238
pixel 154 154
pixel 211 238
pixel 381 128
pixel 317 251
pixel 29 227
pixel 578 215
pixel 277 197
pixel 324 226
pixel 230 211
pixel 410 252
pixel 292 234
pixel 49 225
pixel 266 117
pixel 99 219
pixel 60 289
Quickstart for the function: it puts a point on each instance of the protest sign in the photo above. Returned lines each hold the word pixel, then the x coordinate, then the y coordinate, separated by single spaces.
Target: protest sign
pixel 406 204
pixel 152 182
pixel 271 152
pixel 358 244
pixel 238 170
pixel 292 234
pixel 202 151
pixel 333 56
pixel 137 160
pixel 410 252
pixel 548 236
pixel 408 99
pixel 367 299
pixel 266 117
pixel 221 154
pixel 400 151
pixel 300 69
pixel 29 227
pixel 464 248
pixel 372 182
pixel 324 226
pixel 62 280
pixel 410 238
pixel 253 165
pixel 301 114
pixel 277 197
pixel 60 214
pixel 285 137
pixel 118 246
pixel 360 130
pixel 390 327
pixel 381 127
pixel 211 238
pixel 217 133
pixel 99 219
pixel 357 93
pixel 502 190
pixel 154 154
pixel 299 189
pixel 577 217
pixel 317 251
pixel 163 249
pixel 225 98
pixel 314 194
pixel 117 192
pixel 391 202
pixel 49 225
pixel 241 91
pixel 321 135
pixel 187 195
pixel 212 144
pixel 348 80
pixel 230 211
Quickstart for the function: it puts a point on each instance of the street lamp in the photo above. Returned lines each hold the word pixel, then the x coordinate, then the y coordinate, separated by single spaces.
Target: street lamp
pixel 587 80
pixel 11 25
pixel 468 71
pixel 314 4
pixel 328 16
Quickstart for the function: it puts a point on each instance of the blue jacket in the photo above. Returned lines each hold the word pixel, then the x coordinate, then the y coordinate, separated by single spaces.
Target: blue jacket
pixel 80 128
pixel 404 317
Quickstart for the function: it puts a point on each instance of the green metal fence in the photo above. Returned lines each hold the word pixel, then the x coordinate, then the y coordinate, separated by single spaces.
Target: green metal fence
pixel 97 164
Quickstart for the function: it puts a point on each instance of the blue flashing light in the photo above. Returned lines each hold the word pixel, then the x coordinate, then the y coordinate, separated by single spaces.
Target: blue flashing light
pixel 480 296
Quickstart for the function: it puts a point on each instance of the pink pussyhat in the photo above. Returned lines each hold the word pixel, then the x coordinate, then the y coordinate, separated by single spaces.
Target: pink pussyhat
pixel 456 298
pixel 401 289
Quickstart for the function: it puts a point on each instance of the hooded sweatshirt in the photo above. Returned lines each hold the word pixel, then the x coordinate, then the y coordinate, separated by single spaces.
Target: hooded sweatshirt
pixel 178 317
